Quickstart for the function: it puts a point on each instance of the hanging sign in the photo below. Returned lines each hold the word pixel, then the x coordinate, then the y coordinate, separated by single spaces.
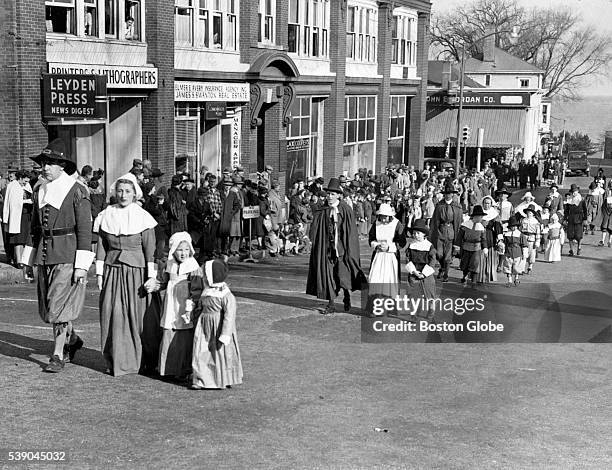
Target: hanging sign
pixel 236 133
pixel 74 96
pixel 216 110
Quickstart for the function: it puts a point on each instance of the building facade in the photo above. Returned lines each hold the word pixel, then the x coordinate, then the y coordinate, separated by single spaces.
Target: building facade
pixel 310 87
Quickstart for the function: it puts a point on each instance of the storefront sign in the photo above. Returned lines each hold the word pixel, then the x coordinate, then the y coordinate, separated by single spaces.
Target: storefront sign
pixel 250 212
pixel 118 77
pixel 216 110
pixel 236 133
pixel 74 96
pixel 481 99
pixel 208 91
pixel 295 145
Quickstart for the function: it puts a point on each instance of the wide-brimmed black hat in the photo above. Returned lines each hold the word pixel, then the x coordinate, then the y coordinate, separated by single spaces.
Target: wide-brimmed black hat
pixel 574 187
pixel 478 210
pixel 513 221
pixel 334 186
pixel 530 208
pixel 420 225
pixel 503 190
pixel 56 152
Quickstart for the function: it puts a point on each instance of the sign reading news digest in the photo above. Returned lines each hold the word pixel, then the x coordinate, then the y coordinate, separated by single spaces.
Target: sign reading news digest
pixel 488 313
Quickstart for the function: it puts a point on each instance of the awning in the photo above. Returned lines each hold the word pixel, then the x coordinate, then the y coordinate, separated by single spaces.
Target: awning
pixel 503 127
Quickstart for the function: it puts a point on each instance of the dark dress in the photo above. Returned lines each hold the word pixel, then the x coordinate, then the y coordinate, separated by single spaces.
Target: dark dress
pixel 129 317
pixel 575 215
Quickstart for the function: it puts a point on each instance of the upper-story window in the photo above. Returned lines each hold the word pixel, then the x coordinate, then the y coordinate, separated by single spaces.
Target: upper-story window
pixel 267 12
pixel 122 19
pixel 544 114
pixel 404 44
pixel 60 16
pixel 487 80
pixel 206 23
pixel 308 29
pixel 361 31
pixel 524 82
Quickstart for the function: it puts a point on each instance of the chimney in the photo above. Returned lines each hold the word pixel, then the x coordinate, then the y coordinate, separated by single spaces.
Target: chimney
pixel 488 49
pixel 446 75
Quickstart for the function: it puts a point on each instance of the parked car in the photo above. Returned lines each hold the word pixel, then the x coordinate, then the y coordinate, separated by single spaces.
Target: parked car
pixel 578 163
pixel 441 164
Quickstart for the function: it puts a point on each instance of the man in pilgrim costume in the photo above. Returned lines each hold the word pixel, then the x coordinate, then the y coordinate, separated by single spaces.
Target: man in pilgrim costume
pixel 445 223
pixel 334 259
pixel 61 247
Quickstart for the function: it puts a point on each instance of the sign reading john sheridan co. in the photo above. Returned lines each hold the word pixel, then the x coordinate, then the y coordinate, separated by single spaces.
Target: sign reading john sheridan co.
pixel 74 96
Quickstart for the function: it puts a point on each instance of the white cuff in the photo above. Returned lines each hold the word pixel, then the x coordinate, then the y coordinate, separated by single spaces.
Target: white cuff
pixel 188 305
pixel 28 255
pixel 152 269
pixel 411 267
pixel 99 267
pixel 427 271
pixel 83 259
pixel 225 339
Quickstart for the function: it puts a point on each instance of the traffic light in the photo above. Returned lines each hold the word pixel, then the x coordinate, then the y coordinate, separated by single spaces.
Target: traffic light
pixel 466 133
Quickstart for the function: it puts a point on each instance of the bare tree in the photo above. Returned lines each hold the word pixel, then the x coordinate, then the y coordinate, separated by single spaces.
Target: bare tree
pixel 554 40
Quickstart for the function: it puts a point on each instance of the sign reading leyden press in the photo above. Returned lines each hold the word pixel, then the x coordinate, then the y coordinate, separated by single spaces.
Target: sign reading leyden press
pixel 74 96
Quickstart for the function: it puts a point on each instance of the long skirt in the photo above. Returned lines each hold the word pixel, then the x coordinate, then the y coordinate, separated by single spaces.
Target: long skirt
pixel 60 299
pixel 383 278
pixel 129 321
pixel 553 250
pixel 488 266
pixel 423 289
pixel 23 237
pixel 213 365
pixel 175 352
pixel 470 261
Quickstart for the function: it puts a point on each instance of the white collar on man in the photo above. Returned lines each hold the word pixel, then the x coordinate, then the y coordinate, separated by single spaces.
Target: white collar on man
pixel 54 192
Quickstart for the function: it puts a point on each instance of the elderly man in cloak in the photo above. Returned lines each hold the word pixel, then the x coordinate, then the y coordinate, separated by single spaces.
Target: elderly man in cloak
pixel 61 247
pixel 334 259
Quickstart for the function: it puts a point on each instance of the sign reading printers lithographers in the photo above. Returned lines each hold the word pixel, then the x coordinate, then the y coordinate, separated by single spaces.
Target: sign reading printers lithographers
pixel 74 96
pixel 118 76
pixel 211 91
pixel 250 212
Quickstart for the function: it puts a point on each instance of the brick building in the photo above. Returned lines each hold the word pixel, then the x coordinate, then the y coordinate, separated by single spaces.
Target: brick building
pixel 311 87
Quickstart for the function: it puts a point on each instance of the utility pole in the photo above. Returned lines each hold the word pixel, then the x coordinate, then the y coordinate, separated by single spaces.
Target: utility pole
pixel 458 155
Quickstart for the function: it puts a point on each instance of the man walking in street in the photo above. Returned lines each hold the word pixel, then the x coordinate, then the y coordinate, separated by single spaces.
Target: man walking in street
pixel 61 247
pixel 445 223
pixel 334 260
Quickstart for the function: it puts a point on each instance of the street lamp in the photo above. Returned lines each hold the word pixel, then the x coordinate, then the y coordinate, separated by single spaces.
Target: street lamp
pixel 514 34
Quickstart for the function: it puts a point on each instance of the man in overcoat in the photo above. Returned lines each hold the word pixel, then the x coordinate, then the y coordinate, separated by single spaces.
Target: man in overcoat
pixel 61 247
pixel 445 223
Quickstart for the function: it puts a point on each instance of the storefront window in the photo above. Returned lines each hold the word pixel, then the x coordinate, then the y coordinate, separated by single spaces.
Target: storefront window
pixel 359 128
pixel 215 24
pixel 361 32
pixel 60 16
pixel 397 129
pixel 308 27
pixel 303 143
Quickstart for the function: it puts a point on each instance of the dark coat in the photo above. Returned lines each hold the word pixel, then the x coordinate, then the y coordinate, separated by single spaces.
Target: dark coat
pixel 177 211
pixel 230 206
pixel 445 223
pixel 322 282
pixel 74 215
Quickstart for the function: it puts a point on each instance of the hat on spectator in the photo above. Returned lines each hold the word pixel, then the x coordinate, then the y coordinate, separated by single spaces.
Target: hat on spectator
pixel 156 173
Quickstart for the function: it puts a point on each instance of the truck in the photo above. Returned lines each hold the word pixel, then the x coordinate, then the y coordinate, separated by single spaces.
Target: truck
pixel 578 163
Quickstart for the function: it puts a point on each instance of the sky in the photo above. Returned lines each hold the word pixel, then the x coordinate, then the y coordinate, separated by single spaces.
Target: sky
pixel 597 13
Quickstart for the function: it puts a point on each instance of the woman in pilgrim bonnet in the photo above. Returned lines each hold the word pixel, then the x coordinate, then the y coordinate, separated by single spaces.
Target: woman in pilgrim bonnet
pixel 216 355
pixel 386 238
pixel 494 235
pixel 129 320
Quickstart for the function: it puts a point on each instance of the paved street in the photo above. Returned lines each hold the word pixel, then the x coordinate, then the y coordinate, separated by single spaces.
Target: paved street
pixel 314 394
